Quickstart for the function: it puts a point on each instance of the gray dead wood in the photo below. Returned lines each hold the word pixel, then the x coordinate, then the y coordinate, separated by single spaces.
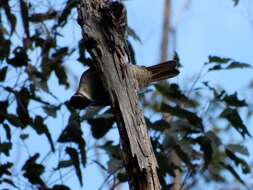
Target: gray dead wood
pixel 104 25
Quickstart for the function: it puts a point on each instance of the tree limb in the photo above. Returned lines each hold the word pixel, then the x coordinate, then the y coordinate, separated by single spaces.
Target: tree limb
pixel 104 26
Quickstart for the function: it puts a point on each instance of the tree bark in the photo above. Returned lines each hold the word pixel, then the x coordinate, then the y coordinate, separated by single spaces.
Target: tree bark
pixel 104 25
pixel 166 30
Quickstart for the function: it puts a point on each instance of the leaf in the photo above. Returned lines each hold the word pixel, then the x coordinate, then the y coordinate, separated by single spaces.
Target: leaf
pixel 122 177
pixel 174 93
pixel 71 4
pixel 25 17
pixel 238 161
pixel 159 125
pixel 33 73
pixel 51 110
pixel 75 159
pixel 100 165
pixel 33 171
pixel 215 68
pixel 64 164
pixel 24 136
pixel 184 128
pixel 4 169
pixel 132 52
pixel 73 133
pixel 60 53
pixel 218 60
pixel 41 128
pixel 3 73
pixel 40 17
pixel 182 113
pixel 233 100
pixel 60 187
pixel 113 151
pixel 5 45
pixel 91 112
pixel 100 126
pixel 23 98
pixel 61 75
pixel 182 148
pixel 3 110
pixel 236 2
pixel 10 16
pixel 165 164
pixel 9 182
pixel 20 57
pixel 56 65
pixel 7 131
pixel 14 120
pixel 206 146
pixel 216 93
pixel 238 65
pixel 81 50
pixel 183 153
pixel 233 172
pixel 133 34
pixel 235 120
pixel 177 59
pixel 221 64
pixel 114 165
pixel 238 149
pixel 215 140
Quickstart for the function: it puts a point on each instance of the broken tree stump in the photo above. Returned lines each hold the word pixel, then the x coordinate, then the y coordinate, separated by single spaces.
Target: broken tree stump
pixel 104 25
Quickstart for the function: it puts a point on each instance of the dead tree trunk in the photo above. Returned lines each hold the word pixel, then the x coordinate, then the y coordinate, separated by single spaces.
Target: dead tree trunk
pixel 104 25
pixel 166 30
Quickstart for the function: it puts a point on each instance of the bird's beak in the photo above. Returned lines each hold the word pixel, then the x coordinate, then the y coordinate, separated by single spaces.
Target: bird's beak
pixel 79 101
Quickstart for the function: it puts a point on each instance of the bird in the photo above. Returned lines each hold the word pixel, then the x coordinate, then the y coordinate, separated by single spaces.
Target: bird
pixel 92 93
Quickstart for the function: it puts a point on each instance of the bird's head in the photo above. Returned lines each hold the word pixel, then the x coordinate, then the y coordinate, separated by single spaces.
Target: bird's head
pixel 79 101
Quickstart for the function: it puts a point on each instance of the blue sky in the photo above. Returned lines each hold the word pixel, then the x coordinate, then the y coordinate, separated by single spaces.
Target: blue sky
pixel 208 27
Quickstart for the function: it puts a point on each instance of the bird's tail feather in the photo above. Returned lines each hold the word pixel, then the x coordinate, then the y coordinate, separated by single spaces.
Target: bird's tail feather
pixel 163 71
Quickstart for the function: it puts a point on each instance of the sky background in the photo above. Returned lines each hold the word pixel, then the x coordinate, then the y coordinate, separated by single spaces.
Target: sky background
pixel 207 27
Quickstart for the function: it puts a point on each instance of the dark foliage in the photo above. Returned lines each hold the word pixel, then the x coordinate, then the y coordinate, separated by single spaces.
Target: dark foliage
pixel 32 55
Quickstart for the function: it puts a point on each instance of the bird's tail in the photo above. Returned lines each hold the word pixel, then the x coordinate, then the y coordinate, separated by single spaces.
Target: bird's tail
pixel 163 71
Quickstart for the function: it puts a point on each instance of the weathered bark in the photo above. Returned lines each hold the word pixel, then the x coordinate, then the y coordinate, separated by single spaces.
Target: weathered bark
pixel 104 27
pixel 166 30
